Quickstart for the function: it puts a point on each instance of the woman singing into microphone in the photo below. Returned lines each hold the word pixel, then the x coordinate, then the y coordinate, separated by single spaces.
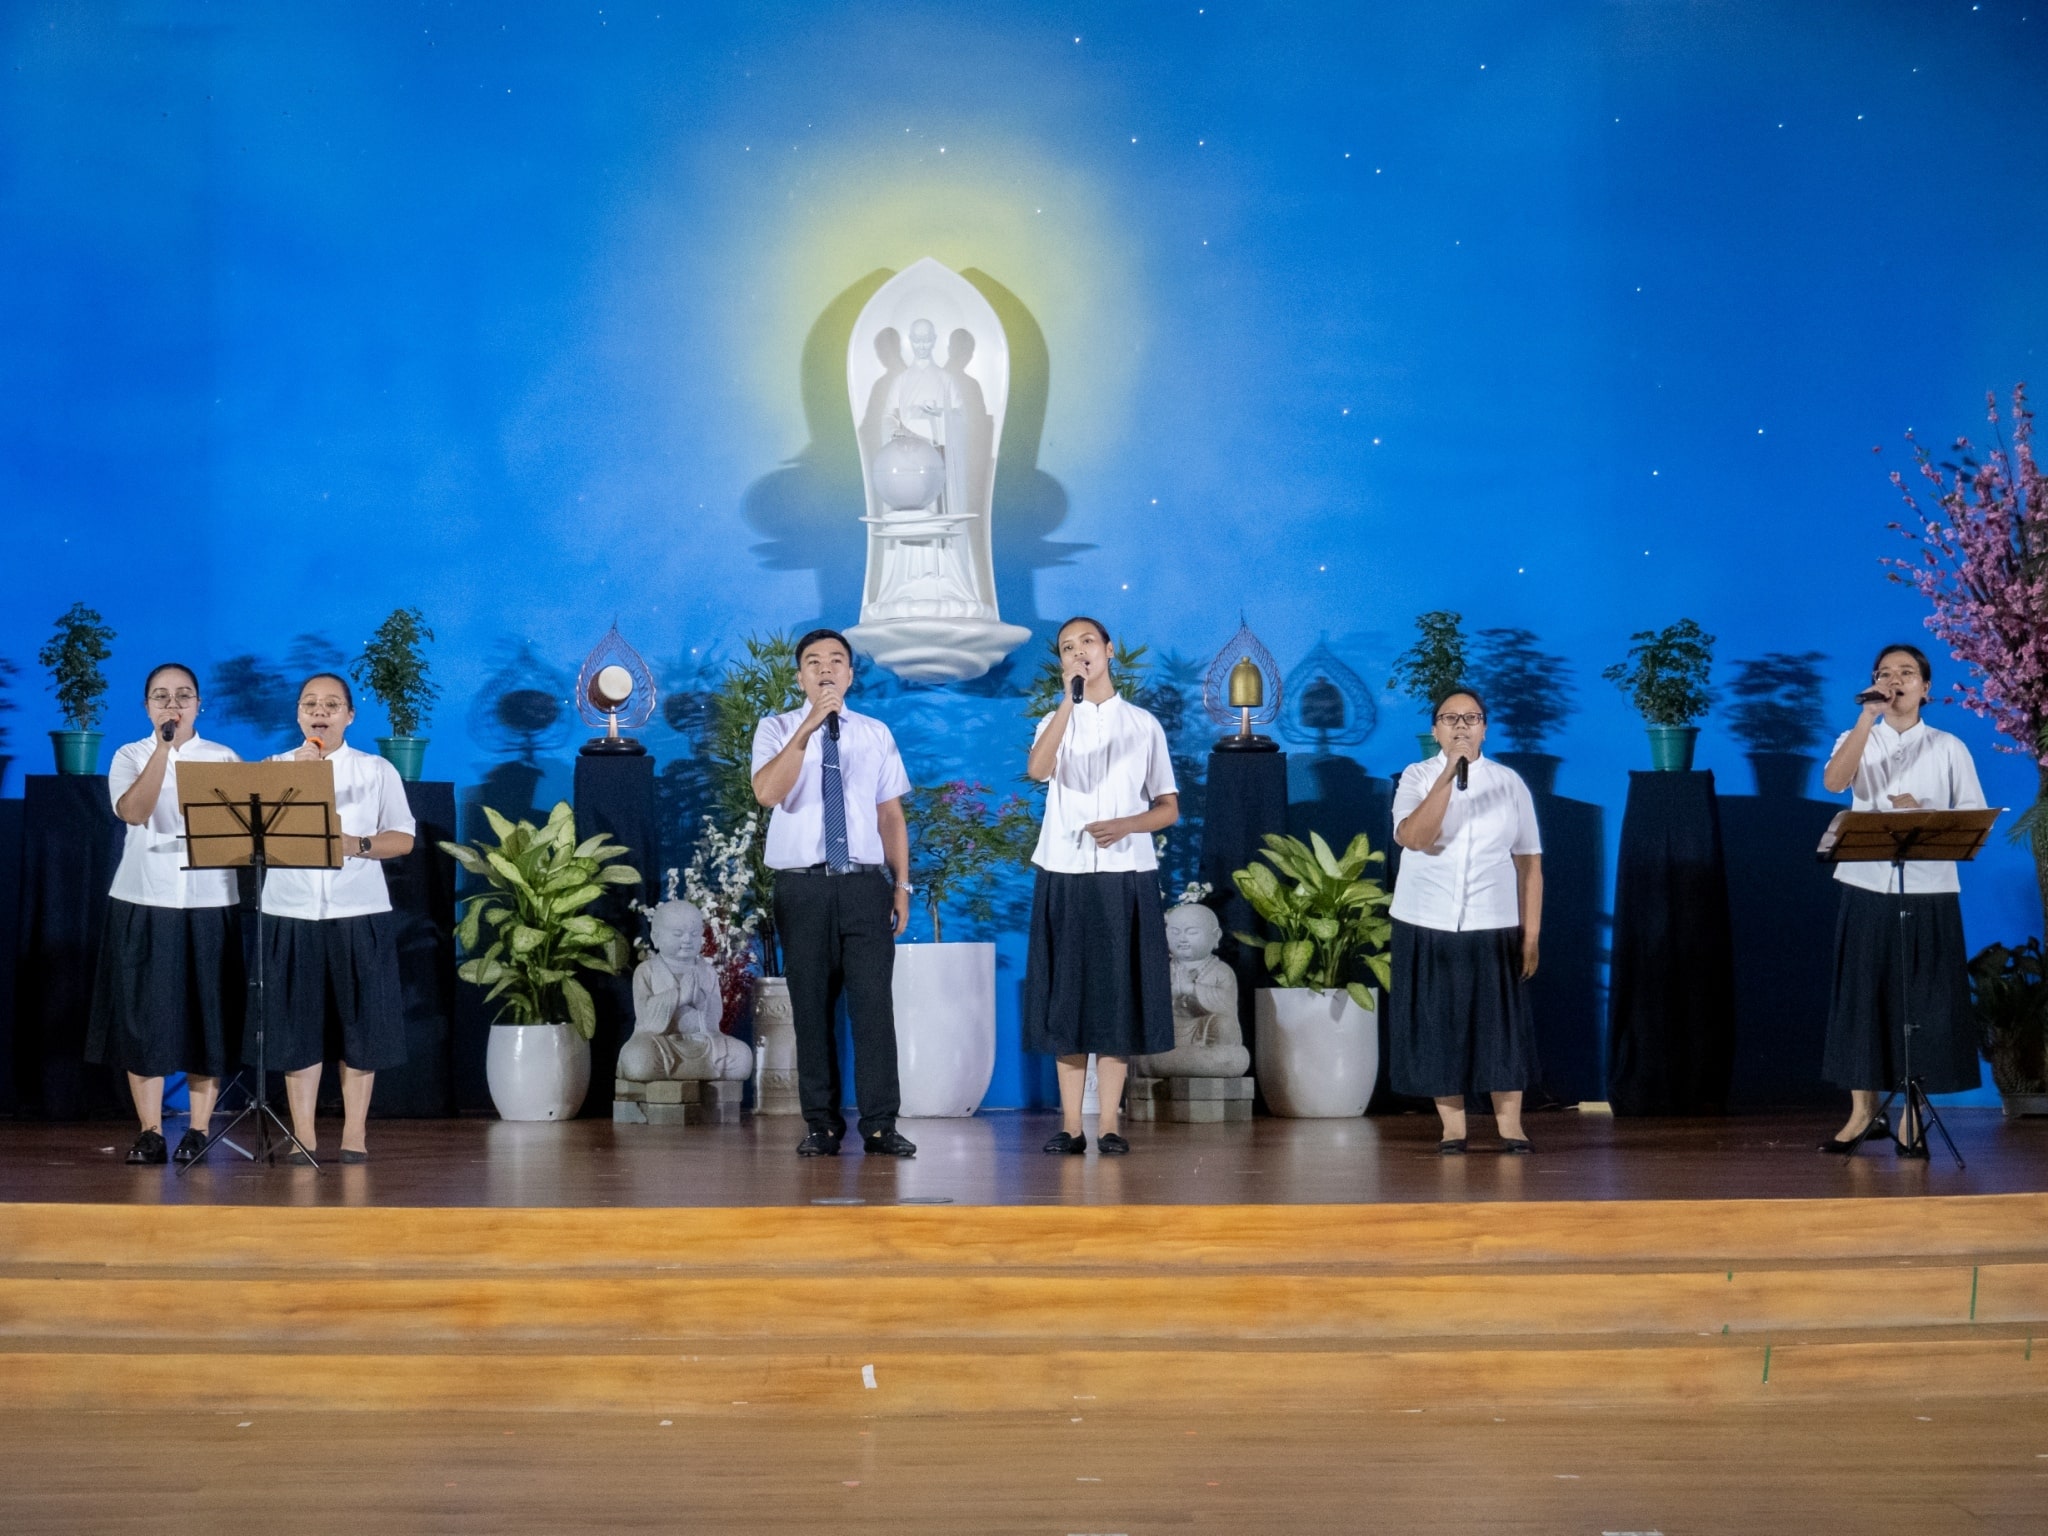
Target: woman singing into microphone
pixel 1892 760
pixel 1096 980
pixel 1468 906
pixel 331 946
pixel 168 993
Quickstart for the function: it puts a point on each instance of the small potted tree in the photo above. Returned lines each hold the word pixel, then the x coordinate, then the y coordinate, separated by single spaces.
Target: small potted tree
pixel 73 656
pixel 1318 1043
pixel 393 666
pixel 960 846
pixel 1779 718
pixel 2009 995
pixel 1665 677
pixel 1528 695
pixel 1431 667
pixel 539 881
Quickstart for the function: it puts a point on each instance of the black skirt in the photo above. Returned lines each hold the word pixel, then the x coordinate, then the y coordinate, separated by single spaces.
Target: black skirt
pixel 1096 978
pixel 334 993
pixel 168 992
pixel 1866 1038
pixel 1458 1018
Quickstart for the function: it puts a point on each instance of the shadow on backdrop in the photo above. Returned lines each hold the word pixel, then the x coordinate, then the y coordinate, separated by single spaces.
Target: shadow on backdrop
pixel 809 511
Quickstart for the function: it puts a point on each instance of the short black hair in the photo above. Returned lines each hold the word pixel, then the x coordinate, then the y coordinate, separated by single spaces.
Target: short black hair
pixel 1919 660
pixel 347 695
pixel 1081 618
pixel 149 682
pixel 816 637
pixel 1460 691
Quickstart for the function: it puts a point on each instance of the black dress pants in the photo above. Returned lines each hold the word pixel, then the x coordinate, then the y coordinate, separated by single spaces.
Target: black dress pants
pixel 836 940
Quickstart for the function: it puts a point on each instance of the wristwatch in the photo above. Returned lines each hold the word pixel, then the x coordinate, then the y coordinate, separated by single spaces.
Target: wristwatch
pixel 905 887
pixel 363 847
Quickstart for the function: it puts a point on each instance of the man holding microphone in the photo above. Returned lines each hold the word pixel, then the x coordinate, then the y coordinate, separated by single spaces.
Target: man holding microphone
pixel 840 849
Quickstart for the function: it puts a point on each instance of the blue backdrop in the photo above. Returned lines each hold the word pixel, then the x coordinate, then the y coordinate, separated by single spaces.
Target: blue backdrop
pixel 1571 317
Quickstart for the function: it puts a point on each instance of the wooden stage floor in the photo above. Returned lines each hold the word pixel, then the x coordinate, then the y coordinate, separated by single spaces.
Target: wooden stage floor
pixel 993 1159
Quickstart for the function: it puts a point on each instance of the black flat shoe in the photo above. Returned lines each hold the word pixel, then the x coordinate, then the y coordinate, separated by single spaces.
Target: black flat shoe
pixel 1877 1126
pixel 1112 1145
pixel 148 1149
pixel 1914 1153
pixel 350 1155
pixel 299 1157
pixel 889 1143
pixel 191 1147
pixel 1451 1146
pixel 1516 1146
pixel 1064 1145
pixel 818 1144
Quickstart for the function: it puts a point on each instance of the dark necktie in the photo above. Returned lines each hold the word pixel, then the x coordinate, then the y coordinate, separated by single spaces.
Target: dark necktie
pixel 834 789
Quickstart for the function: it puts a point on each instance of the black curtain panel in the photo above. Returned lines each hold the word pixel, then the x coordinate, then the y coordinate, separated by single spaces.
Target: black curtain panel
pixel 1246 798
pixel 615 795
pixel 10 936
pixel 1671 990
pixel 70 846
pixel 422 886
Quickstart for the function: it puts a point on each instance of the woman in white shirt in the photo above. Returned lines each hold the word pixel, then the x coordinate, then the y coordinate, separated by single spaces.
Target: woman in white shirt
pixel 168 993
pixel 1096 980
pixel 1467 911
pixel 331 944
pixel 1893 760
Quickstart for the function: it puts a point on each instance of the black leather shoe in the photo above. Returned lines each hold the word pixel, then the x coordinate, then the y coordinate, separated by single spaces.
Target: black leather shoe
pixel 1877 1126
pixel 1917 1151
pixel 1112 1145
pixel 1065 1145
pixel 299 1157
pixel 191 1147
pixel 1451 1146
pixel 1516 1146
pixel 889 1143
pixel 350 1155
pixel 818 1144
pixel 149 1149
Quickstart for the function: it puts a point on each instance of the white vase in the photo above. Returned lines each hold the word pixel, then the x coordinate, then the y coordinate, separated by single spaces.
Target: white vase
pixel 1318 1052
pixel 537 1071
pixel 945 1027
pixel 775 1090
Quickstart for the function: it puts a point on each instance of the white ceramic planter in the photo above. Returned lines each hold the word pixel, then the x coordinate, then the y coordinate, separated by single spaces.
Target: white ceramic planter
pixel 775 1090
pixel 537 1071
pixel 945 1027
pixel 1318 1052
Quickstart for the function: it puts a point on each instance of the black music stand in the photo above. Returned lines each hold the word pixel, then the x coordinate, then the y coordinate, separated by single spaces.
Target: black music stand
pixel 259 815
pixel 1898 838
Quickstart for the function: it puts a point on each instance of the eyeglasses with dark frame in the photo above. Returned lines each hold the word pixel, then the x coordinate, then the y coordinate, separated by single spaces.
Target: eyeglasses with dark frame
pixel 1455 721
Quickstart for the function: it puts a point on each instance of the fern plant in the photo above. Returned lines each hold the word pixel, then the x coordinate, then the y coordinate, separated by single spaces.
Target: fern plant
pixel 540 879
pixel 1325 914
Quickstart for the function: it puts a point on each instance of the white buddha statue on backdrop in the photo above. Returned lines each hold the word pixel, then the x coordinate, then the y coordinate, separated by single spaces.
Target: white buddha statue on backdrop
pixel 928 378
pixel 1207 1041
pixel 676 1009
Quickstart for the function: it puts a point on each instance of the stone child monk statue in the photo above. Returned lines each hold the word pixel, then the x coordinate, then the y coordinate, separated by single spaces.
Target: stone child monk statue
pixel 1206 1039
pixel 676 1009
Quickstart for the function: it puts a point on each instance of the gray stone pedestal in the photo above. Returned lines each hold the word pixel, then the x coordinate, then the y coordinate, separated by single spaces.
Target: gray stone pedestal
pixel 675 1103
pixel 1190 1100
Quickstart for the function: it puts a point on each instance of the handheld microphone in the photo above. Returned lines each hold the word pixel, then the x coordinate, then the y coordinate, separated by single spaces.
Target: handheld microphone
pixel 1464 770
pixel 168 729
pixel 1874 696
pixel 1074 687
pixel 832 725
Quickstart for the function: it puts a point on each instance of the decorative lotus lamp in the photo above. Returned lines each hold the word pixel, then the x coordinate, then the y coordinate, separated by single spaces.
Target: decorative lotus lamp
pixel 1247 689
pixel 615 688
pixel 1328 704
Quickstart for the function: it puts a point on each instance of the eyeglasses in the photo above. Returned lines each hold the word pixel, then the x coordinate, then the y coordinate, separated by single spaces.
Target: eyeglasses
pixel 1454 721
pixel 162 696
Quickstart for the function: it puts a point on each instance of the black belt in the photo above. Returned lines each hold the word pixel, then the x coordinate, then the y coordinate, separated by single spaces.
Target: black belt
pixel 827 869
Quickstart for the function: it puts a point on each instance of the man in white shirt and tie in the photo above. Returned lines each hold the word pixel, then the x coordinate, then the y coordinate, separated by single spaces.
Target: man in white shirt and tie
pixel 840 849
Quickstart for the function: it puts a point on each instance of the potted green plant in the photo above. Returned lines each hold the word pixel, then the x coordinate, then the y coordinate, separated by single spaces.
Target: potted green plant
pixel 1317 1041
pixel 393 666
pixel 1431 667
pixel 960 846
pixel 1779 718
pixel 73 656
pixel 539 880
pixel 2009 995
pixel 1666 676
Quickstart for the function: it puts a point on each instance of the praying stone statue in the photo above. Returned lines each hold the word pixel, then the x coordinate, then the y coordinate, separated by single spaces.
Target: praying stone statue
pixel 928 418
pixel 1207 1041
pixel 676 1009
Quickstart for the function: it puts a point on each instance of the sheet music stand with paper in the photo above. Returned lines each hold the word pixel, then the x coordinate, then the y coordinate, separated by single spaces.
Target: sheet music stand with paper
pixel 1899 838
pixel 259 816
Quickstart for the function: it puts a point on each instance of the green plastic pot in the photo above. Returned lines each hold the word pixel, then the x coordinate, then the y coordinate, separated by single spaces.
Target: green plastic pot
pixel 1425 745
pixel 77 751
pixel 408 754
pixel 1671 747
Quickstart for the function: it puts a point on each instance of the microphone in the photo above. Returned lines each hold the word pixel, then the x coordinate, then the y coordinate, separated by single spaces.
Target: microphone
pixel 1874 696
pixel 832 725
pixel 168 729
pixel 1074 687
pixel 1463 773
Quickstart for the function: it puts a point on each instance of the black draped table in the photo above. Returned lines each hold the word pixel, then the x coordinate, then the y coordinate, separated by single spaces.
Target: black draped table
pixel 615 795
pixel 1671 987
pixel 1246 798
